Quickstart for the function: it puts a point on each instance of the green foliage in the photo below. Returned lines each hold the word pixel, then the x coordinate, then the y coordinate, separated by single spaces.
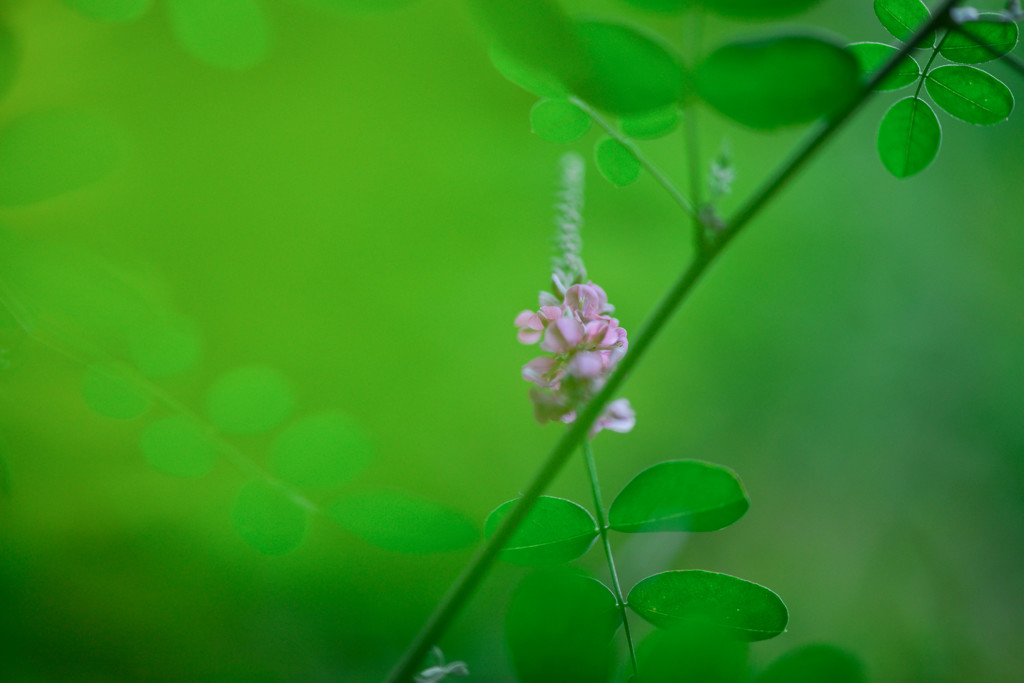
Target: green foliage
pixel 662 5
pixel 268 519
pixel 110 392
pixel 698 653
pixel 229 34
pixel 402 522
pixel 111 10
pixel 540 83
pixel 179 446
pixel 558 626
pixel 873 56
pixel 249 400
pixel 991 29
pixel 628 70
pixel 164 346
pixel 554 531
pixel 45 154
pixel 909 137
pixel 650 125
pixel 814 664
pixel 778 81
pixel 558 121
pixel 902 18
pixel 970 94
pixel 742 609
pixel 758 9
pixel 8 59
pixel 321 450
pixel 615 162
pixel 679 495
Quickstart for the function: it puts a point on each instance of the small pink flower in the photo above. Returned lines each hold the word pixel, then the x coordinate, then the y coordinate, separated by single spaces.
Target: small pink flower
pixel 562 336
pixel 531 327
pixel 545 371
pixel 618 416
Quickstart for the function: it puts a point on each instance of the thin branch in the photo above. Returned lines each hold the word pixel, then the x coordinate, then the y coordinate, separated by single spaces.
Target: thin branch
pixel 485 556
pixel 660 177
pixel 602 525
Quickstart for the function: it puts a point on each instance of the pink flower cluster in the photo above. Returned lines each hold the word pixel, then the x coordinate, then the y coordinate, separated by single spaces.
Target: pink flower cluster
pixel 586 344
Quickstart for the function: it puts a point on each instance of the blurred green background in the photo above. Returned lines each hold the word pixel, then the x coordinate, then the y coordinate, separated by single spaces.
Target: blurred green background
pixel 363 208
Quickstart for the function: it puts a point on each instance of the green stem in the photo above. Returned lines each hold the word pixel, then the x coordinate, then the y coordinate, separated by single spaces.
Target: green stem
pixel 660 177
pixel 485 556
pixel 602 525
pixel 928 67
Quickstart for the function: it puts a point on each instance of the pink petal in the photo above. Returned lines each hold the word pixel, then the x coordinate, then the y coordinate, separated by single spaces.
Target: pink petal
pixel 586 364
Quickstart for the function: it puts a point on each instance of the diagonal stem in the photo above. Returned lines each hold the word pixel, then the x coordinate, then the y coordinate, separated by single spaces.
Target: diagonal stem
pixel 481 562
pixel 660 177
pixel 602 525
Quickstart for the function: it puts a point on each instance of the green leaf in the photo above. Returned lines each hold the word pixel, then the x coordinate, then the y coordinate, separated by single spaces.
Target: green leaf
pixel 228 34
pixel 554 531
pixel 164 346
pixel 873 56
pixel 909 137
pixel 628 70
pixel 991 29
pixel 46 154
pixel 268 519
pixel 615 162
pixel 111 392
pixel 403 522
pixel 814 664
pixel 758 9
pixel 778 81
pixel 111 10
pixel 970 94
pixel 902 19
pixel 8 59
pixel 321 450
pixel 662 5
pixel 679 495
pixel 742 609
pixel 536 35
pixel 650 125
pixel 179 446
pixel 558 626
pixel 559 121
pixel 698 653
pixel 249 400
pixel 540 83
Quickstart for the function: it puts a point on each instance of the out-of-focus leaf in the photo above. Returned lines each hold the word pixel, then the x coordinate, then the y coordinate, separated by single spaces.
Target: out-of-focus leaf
pixel 540 83
pixel 249 400
pixel 403 522
pixel 814 664
pixel 679 495
pixel 268 519
pixel 111 10
pixel 758 9
pixel 627 70
pixel 650 125
pixel 320 450
pixel 228 34
pixel 559 121
pixel 558 626
pixel 555 530
pixel 46 154
pixel 991 29
pixel 903 18
pixel 742 609
pixel 909 137
pixel 110 392
pixel 778 81
pixel 873 56
pixel 698 653
pixel 970 94
pixel 615 162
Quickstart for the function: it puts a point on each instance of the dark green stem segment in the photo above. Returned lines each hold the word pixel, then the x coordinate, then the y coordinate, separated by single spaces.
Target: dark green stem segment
pixel 928 67
pixel 602 525
pixel 481 562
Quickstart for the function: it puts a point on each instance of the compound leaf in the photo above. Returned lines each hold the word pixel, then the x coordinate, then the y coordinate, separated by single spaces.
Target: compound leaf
pixel 554 531
pixel 970 94
pixel 683 599
pixel 989 30
pixel 873 56
pixel 679 495
pixel 909 137
pixel 902 19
